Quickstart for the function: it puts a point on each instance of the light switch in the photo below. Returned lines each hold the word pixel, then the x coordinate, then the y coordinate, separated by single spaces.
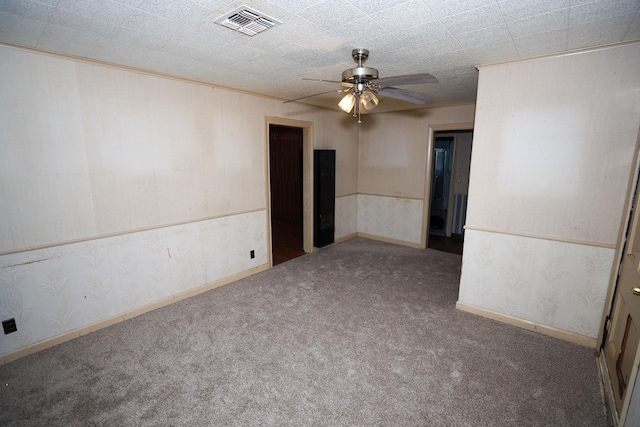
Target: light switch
pixel 459 179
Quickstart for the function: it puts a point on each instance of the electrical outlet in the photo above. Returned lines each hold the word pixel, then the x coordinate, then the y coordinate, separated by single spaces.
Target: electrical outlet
pixel 9 326
pixel 252 254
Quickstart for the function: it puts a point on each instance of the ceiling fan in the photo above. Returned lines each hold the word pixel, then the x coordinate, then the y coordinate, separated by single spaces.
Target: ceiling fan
pixel 362 84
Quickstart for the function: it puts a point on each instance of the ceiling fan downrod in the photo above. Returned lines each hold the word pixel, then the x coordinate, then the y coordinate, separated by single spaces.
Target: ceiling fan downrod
pixel 360 56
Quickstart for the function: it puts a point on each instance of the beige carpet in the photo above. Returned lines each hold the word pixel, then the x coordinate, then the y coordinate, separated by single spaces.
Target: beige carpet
pixel 362 333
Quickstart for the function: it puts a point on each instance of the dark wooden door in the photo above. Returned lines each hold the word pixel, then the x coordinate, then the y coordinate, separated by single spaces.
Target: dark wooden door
pixel 285 170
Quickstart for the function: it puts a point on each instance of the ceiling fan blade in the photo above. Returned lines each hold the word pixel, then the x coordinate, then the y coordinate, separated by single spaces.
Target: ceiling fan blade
pixel 315 94
pixel 405 95
pixel 346 84
pixel 407 79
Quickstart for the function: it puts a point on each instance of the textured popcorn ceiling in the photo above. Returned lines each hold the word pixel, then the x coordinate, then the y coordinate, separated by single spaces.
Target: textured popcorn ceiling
pixel 446 38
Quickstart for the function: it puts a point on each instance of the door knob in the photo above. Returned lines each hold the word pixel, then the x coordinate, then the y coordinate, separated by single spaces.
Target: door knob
pixel 636 290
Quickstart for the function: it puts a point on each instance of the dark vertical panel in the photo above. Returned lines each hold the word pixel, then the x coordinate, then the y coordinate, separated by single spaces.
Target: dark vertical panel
pixel 324 198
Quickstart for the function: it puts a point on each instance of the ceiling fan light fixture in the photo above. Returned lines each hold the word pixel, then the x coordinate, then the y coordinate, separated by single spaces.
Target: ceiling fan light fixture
pixel 362 86
pixel 347 103
pixel 368 100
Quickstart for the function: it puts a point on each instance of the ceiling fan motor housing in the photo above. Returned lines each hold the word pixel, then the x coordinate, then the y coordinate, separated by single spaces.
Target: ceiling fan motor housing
pixel 359 74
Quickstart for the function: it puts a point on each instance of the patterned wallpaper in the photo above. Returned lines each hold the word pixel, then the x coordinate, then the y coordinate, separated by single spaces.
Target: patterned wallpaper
pixel 346 216
pixel 56 290
pixel 390 217
pixel 557 284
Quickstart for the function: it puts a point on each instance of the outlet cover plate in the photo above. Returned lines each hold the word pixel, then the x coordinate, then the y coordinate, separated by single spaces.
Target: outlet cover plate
pixel 9 326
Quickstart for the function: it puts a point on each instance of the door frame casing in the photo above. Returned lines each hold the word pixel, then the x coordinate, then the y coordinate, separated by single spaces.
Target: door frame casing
pixel 624 224
pixel 431 143
pixel 610 312
pixel 307 182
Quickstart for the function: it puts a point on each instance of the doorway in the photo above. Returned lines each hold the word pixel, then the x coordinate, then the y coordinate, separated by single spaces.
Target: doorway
pixel 286 190
pixel 441 186
pixel 620 347
pixel 448 187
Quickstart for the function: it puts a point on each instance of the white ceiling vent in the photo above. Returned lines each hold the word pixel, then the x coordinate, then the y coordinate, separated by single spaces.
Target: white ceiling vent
pixel 248 21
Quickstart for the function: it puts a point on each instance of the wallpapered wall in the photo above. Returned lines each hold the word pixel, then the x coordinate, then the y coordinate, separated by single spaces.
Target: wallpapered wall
pixel 393 167
pixel 557 284
pixel 346 215
pixel 393 150
pixel 58 289
pixel 550 168
pixel 391 217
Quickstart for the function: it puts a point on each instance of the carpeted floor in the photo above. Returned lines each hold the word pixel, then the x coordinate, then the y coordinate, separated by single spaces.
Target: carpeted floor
pixel 361 333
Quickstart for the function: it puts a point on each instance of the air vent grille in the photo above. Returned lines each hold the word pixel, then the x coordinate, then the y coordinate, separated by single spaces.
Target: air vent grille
pixel 247 21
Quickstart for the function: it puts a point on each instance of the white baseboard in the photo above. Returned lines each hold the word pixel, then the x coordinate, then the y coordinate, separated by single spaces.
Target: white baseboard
pixel 345 238
pixel 389 240
pixel 607 390
pixel 50 342
pixel 531 326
